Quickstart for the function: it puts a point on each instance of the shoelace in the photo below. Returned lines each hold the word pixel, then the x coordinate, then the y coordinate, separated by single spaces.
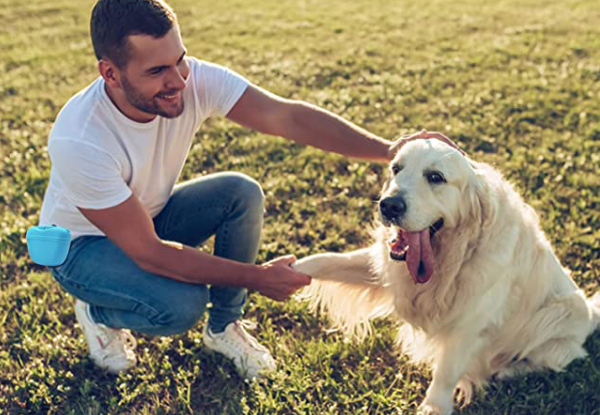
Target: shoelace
pixel 247 324
pixel 118 339
pixel 239 327
pixel 127 338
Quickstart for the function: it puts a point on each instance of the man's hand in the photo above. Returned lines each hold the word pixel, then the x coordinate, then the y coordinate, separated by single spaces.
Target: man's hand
pixel 278 280
pixel 423 134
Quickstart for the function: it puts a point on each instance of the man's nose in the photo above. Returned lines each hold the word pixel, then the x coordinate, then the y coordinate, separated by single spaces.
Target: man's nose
pixel 176 79
pixel 392 207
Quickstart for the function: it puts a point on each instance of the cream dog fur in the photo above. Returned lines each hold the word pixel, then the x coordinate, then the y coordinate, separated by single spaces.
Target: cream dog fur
pixel 461 260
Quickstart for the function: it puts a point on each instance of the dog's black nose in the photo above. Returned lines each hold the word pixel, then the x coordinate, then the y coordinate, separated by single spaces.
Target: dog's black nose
pixel 392 207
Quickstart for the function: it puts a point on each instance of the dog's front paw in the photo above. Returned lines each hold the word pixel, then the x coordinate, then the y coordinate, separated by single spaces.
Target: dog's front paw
pixel 312 265
pixel 427 408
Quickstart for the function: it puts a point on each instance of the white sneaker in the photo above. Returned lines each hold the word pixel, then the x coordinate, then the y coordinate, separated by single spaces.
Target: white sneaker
pixel 111 349
pixel 251 359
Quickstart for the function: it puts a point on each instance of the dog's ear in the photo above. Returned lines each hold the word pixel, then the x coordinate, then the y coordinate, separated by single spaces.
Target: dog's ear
pixel 480 206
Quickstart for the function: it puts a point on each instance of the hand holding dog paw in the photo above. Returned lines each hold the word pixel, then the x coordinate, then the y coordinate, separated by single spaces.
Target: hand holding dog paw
pixel 278 280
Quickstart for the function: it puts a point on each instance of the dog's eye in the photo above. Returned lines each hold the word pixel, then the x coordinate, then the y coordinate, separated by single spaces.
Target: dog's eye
pixel 435 177
pixel 396 169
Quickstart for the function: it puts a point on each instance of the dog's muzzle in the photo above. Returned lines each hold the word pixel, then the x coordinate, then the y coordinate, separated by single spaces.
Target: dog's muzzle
pixel 392 208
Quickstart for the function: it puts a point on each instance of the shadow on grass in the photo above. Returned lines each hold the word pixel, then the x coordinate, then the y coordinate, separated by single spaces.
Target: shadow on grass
pixel 163 382
pixel 574 391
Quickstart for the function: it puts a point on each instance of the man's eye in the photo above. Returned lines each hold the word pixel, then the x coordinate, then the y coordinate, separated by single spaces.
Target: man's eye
pixel 435 177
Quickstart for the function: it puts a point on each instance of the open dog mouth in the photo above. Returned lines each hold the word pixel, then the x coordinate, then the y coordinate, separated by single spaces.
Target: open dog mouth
pixel 415 249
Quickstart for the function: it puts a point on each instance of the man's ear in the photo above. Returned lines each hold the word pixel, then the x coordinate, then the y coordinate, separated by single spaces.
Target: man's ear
pixel 109 72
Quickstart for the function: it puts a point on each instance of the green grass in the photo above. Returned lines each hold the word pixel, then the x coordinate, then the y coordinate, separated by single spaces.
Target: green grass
pixel 515 82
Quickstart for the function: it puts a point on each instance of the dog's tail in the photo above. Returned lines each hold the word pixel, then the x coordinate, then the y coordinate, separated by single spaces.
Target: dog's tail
pixel 350 307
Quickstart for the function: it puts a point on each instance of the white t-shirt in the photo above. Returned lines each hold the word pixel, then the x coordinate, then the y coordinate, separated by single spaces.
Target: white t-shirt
pixel 100 157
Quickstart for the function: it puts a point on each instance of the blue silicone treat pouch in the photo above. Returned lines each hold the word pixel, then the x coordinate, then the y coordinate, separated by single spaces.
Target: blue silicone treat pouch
pixel 48 245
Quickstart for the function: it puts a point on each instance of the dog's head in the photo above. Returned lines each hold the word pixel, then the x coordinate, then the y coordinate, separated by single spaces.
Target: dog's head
pixel 431 187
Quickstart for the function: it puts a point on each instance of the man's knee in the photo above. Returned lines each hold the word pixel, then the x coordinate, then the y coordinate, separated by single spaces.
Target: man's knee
pixel 247 192
pixel 185 313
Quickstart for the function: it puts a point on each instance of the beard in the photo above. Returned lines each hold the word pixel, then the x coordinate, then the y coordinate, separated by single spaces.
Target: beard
pixel 151 105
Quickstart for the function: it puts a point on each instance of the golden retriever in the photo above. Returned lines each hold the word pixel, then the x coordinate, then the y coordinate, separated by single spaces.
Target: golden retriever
pixel 463 263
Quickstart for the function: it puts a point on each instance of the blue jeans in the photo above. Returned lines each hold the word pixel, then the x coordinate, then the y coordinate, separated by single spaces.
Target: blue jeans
pixel 122 295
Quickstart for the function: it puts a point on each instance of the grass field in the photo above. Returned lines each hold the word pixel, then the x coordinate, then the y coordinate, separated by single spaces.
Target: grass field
pixel 515 82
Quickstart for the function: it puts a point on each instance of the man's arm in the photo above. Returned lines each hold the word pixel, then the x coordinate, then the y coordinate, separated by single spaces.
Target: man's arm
pixel 306 124
pixel 309 124
pixel 130 227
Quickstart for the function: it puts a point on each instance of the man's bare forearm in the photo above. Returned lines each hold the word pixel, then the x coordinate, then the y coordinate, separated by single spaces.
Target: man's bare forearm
pixel 320 128
pixel 184 263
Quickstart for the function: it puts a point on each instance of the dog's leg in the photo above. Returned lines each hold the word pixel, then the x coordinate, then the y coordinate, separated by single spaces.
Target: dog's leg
pixel 351 267
pixel 345 287
pixel 454 359
pixel 557 331
pixel 518 368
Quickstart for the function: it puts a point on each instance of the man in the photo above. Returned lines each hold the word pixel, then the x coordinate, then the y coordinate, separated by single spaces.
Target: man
pixel 117 148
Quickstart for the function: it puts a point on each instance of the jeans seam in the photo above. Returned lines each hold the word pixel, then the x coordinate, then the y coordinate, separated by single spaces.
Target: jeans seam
pixel 220 241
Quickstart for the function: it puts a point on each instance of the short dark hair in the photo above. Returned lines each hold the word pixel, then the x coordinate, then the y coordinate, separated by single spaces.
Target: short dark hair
pixel 114 20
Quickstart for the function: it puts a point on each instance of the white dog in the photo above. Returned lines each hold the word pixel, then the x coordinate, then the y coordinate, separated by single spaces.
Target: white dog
pixel 462 261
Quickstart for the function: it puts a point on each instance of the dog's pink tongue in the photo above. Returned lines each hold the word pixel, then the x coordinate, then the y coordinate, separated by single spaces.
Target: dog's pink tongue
pixel 419 257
